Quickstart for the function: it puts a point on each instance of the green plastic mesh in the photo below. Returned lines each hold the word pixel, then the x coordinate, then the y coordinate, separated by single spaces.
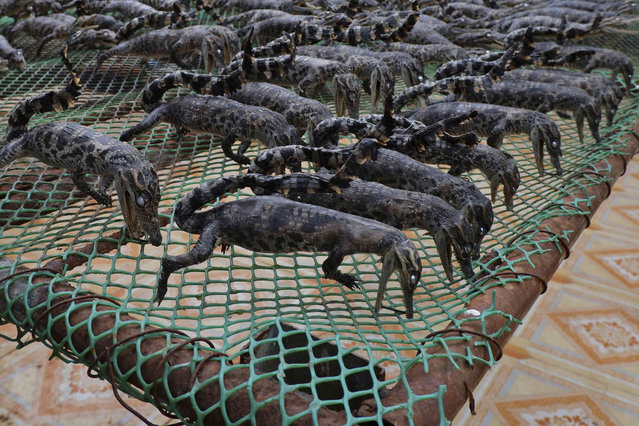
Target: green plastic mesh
pixel 233 297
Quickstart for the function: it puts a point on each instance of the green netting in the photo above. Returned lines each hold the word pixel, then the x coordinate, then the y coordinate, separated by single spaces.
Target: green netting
pixel 232 298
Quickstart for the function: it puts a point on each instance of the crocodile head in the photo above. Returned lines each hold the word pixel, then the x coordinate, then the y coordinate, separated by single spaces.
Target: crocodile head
pixel 16 60
pixel 347 88
pixel 545 133
pixel 479 212
pixel 90 37
pixel 458 236
pixel 402 257
pixel 627 71
pixel 382 84
pixel 412 73
pixel 139 194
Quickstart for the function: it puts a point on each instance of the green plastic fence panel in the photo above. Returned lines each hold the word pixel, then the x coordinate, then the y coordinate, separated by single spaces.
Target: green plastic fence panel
pixel 233 297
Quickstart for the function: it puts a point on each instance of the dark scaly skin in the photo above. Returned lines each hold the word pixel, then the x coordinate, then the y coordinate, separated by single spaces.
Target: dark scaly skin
pixel 299 111
pixel 614 60
pixel 405 210
pixel 253 16
pixel 222 117
pixel 43 28
pixel 470 66
pixel 243 5
pixel 438 53
pixel 499 167
pixel 541 97
pixel 153 20
pixel 101 21
pixel 392 169
pixel 165 5
pixel 597 86
pixel 471 10
pixel 280 46
pixel 434 145
pixel 172 43
pixel 14 57
pixel 285 226
pixel 204 84
pixel 92 38
pixel 326 133
pixel 358 34
pixel 374 73
pixel 82 150
pixel 496 121
pixel 126 8
pixel 402 64
pixel 308 74
pixel 271 28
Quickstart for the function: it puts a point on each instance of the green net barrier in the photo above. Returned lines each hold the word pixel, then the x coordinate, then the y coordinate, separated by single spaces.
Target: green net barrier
pixel 268 315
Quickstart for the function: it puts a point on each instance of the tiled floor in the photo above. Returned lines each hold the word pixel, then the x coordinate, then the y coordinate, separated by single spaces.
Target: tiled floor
pixel 575 361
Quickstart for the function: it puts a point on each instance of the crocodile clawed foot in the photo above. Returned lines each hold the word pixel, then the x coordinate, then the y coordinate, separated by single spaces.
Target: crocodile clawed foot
pixel 350 281
pixel 102 198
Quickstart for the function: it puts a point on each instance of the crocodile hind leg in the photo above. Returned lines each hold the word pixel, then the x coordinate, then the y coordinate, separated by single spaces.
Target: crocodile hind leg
pixel 200 252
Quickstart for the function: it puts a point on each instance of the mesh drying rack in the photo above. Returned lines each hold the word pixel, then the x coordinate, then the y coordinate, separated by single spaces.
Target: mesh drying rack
pixel 260 338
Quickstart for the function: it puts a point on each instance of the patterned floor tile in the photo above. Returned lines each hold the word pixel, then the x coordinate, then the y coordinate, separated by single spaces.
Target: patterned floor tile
pixel 608 336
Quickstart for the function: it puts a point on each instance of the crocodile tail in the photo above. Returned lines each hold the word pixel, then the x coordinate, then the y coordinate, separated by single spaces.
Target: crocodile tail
pixel 562 34
pixel 406 27
pixel 247 48
pixel 384 128
pixel 449 12
pixel 504 63
pixel 289 183
pixel 153 92
pixel 47 102
pixel 130 27
pixel 206 84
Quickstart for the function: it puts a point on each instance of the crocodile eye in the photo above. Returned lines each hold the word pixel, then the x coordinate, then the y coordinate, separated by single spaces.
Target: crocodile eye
pixel 141 201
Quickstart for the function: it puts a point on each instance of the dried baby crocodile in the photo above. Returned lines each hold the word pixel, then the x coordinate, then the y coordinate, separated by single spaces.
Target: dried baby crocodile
pixel 299 111
pixel 542 97
pixel 43 28
pixel 176 44
pixel 309 74
pixel 391 169
pixel 495 122
pixel 82 150
pixel 277 225
pixel 405 210
pixel 223 117
pixel 604 90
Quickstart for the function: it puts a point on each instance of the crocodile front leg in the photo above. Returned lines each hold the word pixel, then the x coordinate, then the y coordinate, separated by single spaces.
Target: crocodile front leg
pixel 227 148
pixel 200 253
pixel 100 195
pixel 330 265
